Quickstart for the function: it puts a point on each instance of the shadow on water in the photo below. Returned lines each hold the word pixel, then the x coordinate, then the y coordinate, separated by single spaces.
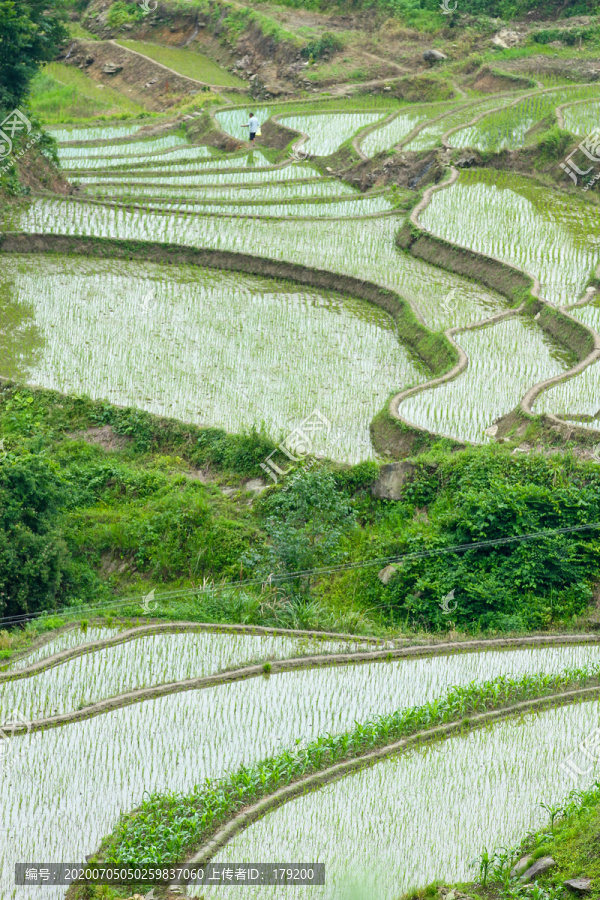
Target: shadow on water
pixel 21 341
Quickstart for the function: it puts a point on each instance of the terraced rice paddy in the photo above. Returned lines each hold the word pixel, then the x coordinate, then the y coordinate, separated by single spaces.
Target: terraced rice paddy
pixel 328 131
pixel 66 640
pixel 176 162
pixel 172 343
pixel 552 237
pixel 512 128
pixel 369 206
pixel 582 118
pixel 96 133
pixel 233 350
pixel 165 658
pixel 149 661
pixel 498 779
pixel 430 136
pixel 401 125
pixel 579 395
pixel 301 189
pixel 132 148
pixel 364 249
pixel 175 742
pixel 504 360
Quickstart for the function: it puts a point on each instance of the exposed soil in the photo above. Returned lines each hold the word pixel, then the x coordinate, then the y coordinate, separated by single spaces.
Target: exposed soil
pixel 149 83
pixel 584 70
pixel 105 437
pixel 488 82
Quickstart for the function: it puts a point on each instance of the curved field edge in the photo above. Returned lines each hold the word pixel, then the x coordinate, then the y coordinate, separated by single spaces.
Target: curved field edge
pixel 280 666
pixel 432 349
pixel 570 839
pixel 521 289
pixel 146 630
pixel 215 811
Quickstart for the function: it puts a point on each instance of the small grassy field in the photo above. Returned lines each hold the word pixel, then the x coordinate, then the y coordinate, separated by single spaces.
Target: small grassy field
pixel 186 62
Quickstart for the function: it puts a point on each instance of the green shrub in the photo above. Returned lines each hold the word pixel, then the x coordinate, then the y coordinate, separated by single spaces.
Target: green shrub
pixel 326 45
pixel 33 556
pixel 123 13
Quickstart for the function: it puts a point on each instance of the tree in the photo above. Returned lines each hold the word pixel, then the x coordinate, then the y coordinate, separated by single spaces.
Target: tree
pixel 305 524
pixel 31 32
pixel 33 556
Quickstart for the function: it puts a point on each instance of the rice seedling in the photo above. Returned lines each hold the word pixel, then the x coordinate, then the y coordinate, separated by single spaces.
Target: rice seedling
pixel 497 778
pixel 582 118
pixel 429 137
pixel 94 133
pixel 183 353
pixel 395 131
pixel 163 658
pixel 546 234
pixel 327 132
pixel 509 129
pixel 579 395
pixel 361 248
pixel 176 742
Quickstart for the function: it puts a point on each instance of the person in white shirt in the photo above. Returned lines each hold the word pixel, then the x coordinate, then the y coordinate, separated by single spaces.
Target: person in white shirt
pixel 253 124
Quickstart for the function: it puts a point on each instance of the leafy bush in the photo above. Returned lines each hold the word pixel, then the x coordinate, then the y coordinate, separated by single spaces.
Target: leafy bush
pixel 33 556
pixel 31 31
pixel 123 13
pixel 305 523
pixel 483 496
pixel 325 45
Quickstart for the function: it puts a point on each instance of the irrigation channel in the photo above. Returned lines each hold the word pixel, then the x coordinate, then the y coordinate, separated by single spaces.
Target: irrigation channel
pixel 209 728
pixel 131 331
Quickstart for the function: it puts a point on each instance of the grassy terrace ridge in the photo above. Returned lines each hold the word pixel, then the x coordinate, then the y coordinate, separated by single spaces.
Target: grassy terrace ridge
pixel 147 833
pixel 107 500
pixel 570 839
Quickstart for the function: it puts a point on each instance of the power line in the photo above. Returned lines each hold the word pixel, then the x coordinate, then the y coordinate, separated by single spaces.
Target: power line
pixel 291 576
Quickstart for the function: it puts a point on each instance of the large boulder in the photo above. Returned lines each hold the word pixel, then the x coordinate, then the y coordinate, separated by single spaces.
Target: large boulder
pixel 392 479
pixel 539 867
pixel 433 56
pixel 579 885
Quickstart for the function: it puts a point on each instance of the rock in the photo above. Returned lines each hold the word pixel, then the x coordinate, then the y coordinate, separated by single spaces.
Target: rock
pixel 506 39
pixel 385 574
pixel 521 866
pixel 387 88
pixel 111 68
pixel 257 485
pixel 579 885
pixel 328 169
pixel 465 162
pixel 392 479
pixel 539 867
pixel 492 430
pixel 434 56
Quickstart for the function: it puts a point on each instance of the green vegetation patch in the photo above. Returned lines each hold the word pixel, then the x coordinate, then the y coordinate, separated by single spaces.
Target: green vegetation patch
pixel 190 63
